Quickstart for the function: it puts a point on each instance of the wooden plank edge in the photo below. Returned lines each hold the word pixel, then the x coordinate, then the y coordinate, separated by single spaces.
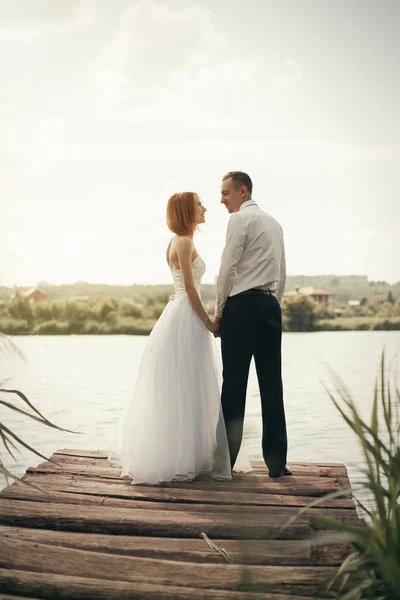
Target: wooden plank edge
pixel 76 495
pixel 47 586
pixel 256 462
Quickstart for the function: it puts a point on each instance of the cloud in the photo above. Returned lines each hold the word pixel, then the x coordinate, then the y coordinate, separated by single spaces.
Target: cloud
pixel 153 41
pixel 287 152
pixel 172 70
pixel 291 76
pixel 46 17
pixel 163 67
pixel 195 99
pixel 42 146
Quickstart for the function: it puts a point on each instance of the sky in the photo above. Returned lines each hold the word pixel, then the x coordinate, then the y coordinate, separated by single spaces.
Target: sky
pixel 107 108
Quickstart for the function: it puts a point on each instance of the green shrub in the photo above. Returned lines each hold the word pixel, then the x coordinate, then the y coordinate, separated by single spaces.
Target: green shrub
pixel 52 327
pixel 329 326
pixel 106 310
pixel 130 326
pixel 299 314
pixel 91 328
pixel 387 325
pixel 130 309
pixel 22 310
pixel 11 326
pixel 362 327
pixel 47 311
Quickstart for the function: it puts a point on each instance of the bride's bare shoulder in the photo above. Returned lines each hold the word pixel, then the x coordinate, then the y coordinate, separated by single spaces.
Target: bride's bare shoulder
pixel 183 242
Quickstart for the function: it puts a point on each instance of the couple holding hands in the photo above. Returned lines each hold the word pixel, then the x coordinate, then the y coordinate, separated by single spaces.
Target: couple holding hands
pixel 182 419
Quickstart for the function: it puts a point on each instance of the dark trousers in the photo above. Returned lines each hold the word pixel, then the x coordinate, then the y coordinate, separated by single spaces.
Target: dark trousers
pixel 252 326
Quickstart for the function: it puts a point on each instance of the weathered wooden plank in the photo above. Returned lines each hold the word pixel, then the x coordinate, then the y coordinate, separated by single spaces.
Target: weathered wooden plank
pixel 292 486
pixel 30 556
pixel 250 483
pixel 19 491
pixel 225 524
pixel 100 471
pixel 102 487
pixel 305 471
pixel 103 463
pixel 70 530
pixel 255 463
pixel 82 453
pixel 8 597
pixel 36 497
pixel 258 469
pixel 255 552
pixel 49 586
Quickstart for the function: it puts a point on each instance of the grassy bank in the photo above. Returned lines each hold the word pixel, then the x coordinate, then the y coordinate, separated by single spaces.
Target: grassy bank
pixel 359 324
pixel 122 325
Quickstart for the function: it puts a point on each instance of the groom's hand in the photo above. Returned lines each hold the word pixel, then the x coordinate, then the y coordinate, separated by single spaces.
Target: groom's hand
pixel 217 321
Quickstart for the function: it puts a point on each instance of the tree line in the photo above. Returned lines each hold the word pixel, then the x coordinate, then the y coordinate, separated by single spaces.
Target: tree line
pixel 125 316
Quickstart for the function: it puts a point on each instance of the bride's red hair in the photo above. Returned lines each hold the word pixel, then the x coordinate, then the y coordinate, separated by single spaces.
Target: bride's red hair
pixel 181 213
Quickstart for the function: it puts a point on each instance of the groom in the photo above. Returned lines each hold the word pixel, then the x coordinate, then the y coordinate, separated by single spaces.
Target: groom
pixel 250 287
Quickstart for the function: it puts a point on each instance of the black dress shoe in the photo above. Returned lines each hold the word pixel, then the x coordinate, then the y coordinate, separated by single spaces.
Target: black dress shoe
pixel 285 471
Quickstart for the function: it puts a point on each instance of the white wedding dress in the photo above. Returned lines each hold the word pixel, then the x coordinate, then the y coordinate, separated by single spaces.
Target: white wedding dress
pixel 173 428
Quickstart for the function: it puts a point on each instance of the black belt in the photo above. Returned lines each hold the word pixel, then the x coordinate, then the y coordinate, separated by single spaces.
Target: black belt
pixel 256 292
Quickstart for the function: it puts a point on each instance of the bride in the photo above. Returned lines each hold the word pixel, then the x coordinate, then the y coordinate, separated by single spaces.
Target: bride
pixel 173 428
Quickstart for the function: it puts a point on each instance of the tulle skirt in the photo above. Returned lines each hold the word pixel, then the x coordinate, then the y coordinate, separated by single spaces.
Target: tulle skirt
pixel 173 428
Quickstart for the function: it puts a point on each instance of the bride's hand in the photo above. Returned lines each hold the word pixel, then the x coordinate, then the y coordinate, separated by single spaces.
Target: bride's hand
pixel 212 327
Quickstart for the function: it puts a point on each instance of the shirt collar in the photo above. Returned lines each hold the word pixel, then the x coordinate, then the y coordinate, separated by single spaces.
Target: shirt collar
pixel 248 203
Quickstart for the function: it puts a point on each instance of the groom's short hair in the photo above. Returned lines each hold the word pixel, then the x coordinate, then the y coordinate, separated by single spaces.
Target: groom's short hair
pixel 239 178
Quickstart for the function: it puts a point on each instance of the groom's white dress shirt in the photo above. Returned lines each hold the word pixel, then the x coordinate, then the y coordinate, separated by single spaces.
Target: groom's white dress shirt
pixel 253 257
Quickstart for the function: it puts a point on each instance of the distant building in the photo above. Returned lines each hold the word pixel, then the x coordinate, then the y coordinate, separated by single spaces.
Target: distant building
pixel 351 282
pixel 320 296
pixel 33 295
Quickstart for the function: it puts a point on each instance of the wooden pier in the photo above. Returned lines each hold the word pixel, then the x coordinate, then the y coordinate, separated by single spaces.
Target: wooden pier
pixel 84 532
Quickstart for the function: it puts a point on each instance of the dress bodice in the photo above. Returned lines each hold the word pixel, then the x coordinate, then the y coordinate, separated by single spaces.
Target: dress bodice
pixel 198 269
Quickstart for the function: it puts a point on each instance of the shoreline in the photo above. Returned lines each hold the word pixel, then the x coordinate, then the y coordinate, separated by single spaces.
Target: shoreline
pixel 105 329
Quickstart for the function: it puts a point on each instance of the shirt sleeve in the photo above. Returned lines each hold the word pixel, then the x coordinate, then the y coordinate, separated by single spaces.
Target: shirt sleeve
pixel 280 289
pixel 231 255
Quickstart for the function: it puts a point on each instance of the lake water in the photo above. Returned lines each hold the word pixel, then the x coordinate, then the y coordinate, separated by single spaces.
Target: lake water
pixel 83 382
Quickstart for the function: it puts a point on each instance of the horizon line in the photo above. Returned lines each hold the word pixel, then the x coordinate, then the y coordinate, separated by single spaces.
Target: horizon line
pixel 77 282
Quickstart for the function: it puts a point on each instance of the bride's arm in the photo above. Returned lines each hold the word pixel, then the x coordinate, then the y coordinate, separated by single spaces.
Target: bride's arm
pixel 184 249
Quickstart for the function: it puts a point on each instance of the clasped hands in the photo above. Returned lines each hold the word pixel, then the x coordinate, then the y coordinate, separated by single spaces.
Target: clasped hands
pixel 214 326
